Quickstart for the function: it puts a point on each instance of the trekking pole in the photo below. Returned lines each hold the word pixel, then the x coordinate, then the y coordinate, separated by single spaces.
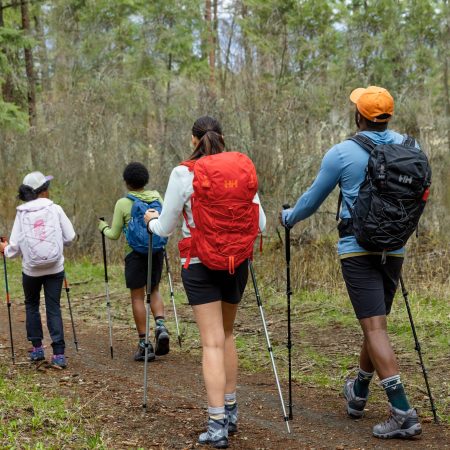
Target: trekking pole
pixel 417 347
pixel 8 303
pixel 287 242
pixel 172 296
pixel 108 302
pixel 269 346
pixel 67 288
pixel 147 317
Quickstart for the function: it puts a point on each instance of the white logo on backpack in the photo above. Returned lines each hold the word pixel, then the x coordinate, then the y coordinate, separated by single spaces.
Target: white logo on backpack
pixel 42 235
pixel 405 179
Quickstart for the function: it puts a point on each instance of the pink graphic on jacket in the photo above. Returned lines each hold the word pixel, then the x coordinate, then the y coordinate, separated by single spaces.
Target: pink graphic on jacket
pixel 39 229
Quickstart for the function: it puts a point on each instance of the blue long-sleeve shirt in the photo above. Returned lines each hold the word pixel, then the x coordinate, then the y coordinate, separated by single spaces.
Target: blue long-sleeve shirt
pixel 344 164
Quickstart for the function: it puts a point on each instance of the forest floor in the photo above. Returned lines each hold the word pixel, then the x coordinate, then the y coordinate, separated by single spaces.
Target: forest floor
pixel 102 397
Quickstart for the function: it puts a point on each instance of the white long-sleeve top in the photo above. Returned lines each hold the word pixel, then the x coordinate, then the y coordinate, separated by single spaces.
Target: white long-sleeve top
pixel 178 199
pixel 14 247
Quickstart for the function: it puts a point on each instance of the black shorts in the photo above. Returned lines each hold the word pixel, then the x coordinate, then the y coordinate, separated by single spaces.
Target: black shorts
pixel 203 285
pixel 136 265
pixel 371 285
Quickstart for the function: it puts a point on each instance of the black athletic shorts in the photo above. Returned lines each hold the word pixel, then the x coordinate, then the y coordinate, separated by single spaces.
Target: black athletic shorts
pixel 203 285
pixel 136 265
pixel 371 285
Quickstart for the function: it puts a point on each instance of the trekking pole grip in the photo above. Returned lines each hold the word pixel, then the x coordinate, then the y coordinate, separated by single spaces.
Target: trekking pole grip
pixel 287 237
pixel 149 231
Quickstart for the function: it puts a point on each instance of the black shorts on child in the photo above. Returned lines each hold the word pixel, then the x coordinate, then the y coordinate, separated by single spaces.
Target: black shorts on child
pixel 136 265
pixel 203 285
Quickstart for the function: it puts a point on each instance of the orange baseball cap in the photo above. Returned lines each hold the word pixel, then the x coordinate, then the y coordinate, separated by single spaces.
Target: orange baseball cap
pixel 373 102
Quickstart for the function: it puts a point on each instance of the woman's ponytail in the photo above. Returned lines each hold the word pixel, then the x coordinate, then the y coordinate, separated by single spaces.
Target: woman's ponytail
pixel 209 132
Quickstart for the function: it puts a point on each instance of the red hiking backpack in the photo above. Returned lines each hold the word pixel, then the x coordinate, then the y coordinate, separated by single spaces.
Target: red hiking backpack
pixel 226 219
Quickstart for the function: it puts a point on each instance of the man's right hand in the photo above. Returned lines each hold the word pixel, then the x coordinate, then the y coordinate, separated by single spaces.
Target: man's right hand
pixel 282 216
pixel 102 225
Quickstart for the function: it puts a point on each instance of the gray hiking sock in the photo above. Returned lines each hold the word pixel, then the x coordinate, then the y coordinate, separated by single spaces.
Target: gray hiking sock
pixel 230 399
pixel 361 386
pixel 396 392
pixel 216 412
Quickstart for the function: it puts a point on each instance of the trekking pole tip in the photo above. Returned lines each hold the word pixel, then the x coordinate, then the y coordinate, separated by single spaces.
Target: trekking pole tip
pixel 179 341
pixel 286 419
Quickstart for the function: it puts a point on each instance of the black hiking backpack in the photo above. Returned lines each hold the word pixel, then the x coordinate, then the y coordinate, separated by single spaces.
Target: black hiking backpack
pixel 391 198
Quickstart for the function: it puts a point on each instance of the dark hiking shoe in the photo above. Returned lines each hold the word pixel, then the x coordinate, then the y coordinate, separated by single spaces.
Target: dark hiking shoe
pixel 232 415
pixel 355 405
pixel 162 341
pixel 216 435
pixel 400 424
pixel 140 353
pixel 36 354
pixel 59 362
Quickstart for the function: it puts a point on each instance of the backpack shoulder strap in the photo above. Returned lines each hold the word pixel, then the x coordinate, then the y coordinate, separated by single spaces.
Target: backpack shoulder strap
pixel 409 141
pixel 189 164
pixel 363 141
pixel 131 197
pixel 368 145
pixel 339 205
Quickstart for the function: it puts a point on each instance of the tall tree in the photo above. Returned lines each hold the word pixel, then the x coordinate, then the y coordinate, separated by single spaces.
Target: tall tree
pixel 29 65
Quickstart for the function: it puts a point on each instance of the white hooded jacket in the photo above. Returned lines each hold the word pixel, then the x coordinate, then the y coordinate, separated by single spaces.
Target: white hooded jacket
pixel 16 245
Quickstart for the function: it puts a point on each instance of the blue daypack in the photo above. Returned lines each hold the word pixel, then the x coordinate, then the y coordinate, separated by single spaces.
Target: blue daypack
pixel 136 231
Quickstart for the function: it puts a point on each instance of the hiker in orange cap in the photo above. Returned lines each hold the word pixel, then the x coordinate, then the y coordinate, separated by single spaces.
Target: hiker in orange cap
pixel 371 263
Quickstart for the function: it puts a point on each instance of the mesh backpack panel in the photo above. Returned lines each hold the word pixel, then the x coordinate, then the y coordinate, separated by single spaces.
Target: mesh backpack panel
pixel 42 236
pixel 136 231
pixel 392 197
pixel 225 216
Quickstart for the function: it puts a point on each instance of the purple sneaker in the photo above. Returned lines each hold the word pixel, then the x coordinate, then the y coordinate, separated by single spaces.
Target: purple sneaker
pixel 36 354
pixel 59 361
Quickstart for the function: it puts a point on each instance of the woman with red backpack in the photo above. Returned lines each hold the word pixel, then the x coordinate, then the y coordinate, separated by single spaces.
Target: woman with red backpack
pixel 216 193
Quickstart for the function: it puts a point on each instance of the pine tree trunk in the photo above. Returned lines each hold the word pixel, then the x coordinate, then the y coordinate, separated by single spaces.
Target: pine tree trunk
pixel 43 55
pixel 8 85
pixel 211 46
pixel 29 68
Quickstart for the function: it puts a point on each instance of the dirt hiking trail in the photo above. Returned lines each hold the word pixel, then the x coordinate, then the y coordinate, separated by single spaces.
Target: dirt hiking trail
pixel 110 398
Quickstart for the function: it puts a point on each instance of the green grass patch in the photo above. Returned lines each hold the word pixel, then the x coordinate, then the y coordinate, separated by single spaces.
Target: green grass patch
pixel 31 417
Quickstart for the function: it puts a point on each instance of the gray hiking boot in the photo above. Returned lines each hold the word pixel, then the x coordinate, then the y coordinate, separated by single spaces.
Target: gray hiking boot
pixel 355 405
pixel 162 346
pixel 401 424
pixel 232 415
pixel 140 353
pixel 216 435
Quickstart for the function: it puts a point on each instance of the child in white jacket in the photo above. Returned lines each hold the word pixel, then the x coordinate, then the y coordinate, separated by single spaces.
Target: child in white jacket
pixel 41 229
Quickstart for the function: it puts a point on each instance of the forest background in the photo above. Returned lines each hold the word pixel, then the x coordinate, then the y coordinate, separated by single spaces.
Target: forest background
pixel 90 85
